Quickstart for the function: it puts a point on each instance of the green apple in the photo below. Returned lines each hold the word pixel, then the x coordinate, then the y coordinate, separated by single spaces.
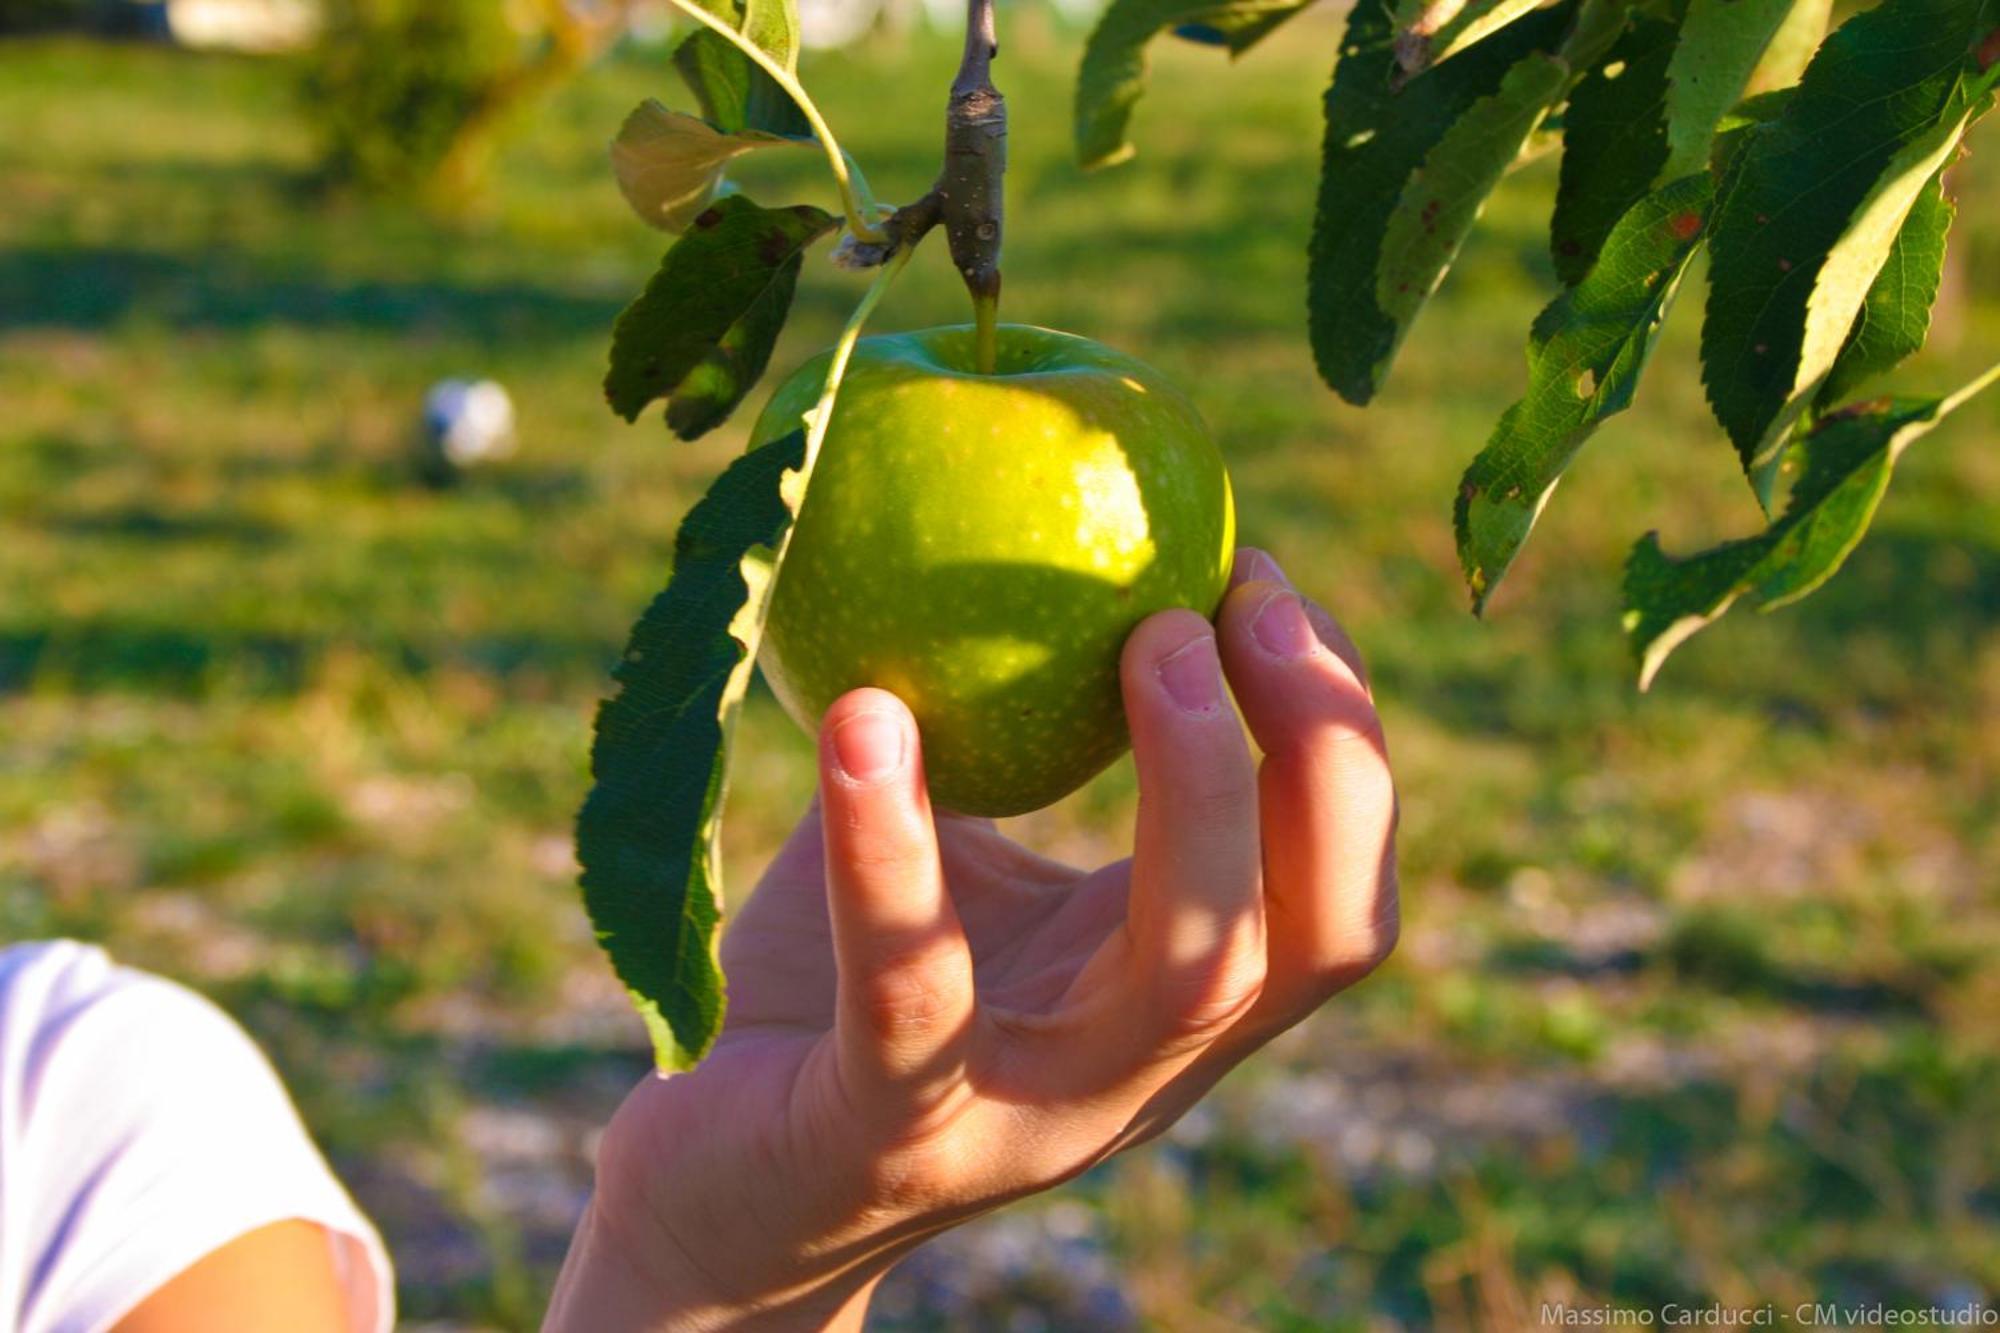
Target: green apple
pixel 982 544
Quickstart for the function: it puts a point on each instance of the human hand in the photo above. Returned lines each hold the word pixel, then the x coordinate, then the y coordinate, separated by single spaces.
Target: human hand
pixel 926 1020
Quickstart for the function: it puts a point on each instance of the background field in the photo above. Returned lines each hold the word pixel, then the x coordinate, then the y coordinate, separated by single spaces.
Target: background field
pixel 1698 992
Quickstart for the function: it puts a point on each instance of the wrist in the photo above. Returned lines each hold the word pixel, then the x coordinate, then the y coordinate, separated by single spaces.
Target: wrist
pixel 614 1282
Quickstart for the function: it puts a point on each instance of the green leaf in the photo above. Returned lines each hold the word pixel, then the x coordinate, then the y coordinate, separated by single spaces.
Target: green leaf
pixel 1614 143
pixel 1740 127
pixel 1896 316
pixel 772 26
pixel 1843 469
pixel 711 391
pixel 1792 48
pixel 702 331
pixel 1406 166
pixel 1237 27
pixel 1429 32
pixel 1113 73
pixel 1721 43
pixel 1819 200
pixel 645 836
pixel 1585 356
pixel 669 164
pixel 1649 113
pixel 1444 197
pixel 734 93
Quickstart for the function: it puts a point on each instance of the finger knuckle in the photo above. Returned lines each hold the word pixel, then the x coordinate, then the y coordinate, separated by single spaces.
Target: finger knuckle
pixel 1381 939
pixel 916 1176
pixel 1357 747
pixel 1360 952
pixel 912 996
pixel 1205 1000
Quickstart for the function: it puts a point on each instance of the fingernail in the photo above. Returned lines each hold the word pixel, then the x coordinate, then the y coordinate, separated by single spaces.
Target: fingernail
pixel 1281 628
pixel 1257 567
pixel 1193 676
pixel 869 746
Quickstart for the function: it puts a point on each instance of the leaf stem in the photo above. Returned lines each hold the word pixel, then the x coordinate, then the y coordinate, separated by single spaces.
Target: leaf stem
pixel 821 415
pixel 1965 391
pixel 795 483
pixel 855 197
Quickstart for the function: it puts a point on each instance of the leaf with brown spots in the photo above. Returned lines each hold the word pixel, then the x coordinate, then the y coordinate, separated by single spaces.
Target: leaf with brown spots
pixel 1406 165
pixel 701 333
pixel 1585 356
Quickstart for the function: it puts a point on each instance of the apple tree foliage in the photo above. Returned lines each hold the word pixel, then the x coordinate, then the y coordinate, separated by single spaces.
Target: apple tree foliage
pixel 1808 164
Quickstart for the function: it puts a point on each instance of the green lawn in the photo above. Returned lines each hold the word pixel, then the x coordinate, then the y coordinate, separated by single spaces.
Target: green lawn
pixel 1698 991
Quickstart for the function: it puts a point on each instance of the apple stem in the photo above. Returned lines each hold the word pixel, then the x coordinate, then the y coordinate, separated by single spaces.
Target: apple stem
pixel 986 332
pixel 975 164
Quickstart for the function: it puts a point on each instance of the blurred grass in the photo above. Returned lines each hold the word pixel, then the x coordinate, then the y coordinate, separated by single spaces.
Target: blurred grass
pixel 1697 994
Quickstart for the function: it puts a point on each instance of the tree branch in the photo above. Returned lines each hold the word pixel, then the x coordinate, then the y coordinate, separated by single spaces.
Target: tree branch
pixel 975 159
pixel 967 198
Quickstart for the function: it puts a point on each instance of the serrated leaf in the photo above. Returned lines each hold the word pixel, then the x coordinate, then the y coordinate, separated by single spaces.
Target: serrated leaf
pixel 1458 124
pixel 1791 50
pixel 1844 467
pixel 645 836
pixel 1721 43
pixel 1819 199
pixel 714 307
pixel 669 164
pixel 1614 142
pixel 1445 195
pixel 647 833
pixel 1429 32
pixel 1585 356
pixel 734 94
pixel 1896 316
pixel 1112 76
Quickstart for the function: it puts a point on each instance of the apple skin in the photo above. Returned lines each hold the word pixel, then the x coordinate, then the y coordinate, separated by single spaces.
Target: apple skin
pixel 981 546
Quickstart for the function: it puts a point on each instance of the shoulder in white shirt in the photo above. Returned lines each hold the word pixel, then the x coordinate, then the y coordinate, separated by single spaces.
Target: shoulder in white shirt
pixel 140 1130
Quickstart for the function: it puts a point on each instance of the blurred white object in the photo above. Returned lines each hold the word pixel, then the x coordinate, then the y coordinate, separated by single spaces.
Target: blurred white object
pixel 827 25
pixel 467 422
pixel 653 22
pixel 243 25
pixel 949 15
pixel 945 15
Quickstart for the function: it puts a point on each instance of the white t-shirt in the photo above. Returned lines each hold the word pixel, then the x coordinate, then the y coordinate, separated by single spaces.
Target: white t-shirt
pixel 140 1130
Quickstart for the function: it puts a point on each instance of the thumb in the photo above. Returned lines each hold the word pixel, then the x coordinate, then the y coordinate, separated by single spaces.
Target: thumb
pixel 903 1012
